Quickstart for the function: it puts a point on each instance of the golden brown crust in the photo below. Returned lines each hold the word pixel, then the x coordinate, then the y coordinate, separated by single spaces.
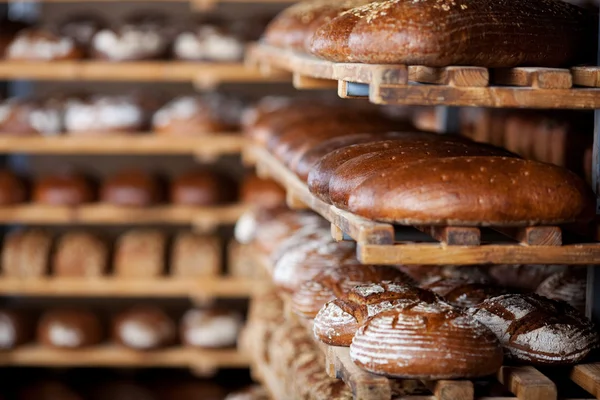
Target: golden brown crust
pixel 131 188
pixel 70 189
pixel 194 255
pixel 66 328
pixel 140 253
pixel 26 254
pixel 80 255
pixel 264 193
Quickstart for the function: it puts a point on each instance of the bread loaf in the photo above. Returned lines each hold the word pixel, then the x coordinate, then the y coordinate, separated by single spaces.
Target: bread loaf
pixel 569 286
pixel 474 191
pixel 547 33
pixel 69 329
pixel 537 330
pixel 462 292
pixel 336 282
pixel 201 188
pixel 26 253
pixel 12 189
pixel 144 328
pixel 140 253
pixel 15 329
pixel 210 328
pixel 427 341
pixel 259 192
pixel 523 277
pixel 41 45
pixel 131 188
pixel 274 233
pixel 80 254
pixel 194 256
pixel 337 322
pixel 69 189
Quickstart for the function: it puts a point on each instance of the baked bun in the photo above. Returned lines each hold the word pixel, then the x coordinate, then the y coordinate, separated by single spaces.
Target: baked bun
pixel 80 255
pixel 81 29
pixel 208 43
pixel 129 43
pixel 427 341
pixel 201 188
pixel 103 115
pixel 337 281
pixel 15 329
pixel 140 253
pixel 337 322
pixel 537 330
pixel 434 35
pixel 69 329
pixel 197 115
pixel 263 193
pixel 131 188
pixel 41 45
pixel 194 256
pixel 527 277
pixel 30 117
pixel 492 188
pixel 569 286
pixel 210 328
pixel 12 189
pixel 65 189
pixel 25 253
pixel 462 292
pixel 144 328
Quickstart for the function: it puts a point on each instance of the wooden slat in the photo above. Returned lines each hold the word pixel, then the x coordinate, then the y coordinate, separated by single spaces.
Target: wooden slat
pixel 453 235
pixel 527 383
pixel 362 230
pixel 540 78
pixel 588 377
pixel 453 76
pixel 586 76
pixel 306 82
pixel 535 235
pixel 451 390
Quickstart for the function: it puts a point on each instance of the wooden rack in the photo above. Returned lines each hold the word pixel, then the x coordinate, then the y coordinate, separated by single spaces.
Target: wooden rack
pixel 378 243
pixel 576 88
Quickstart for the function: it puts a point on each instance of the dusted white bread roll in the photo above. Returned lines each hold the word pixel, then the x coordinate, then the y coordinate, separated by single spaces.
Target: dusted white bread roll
pixel 210 328
pixel 40 45
pixel 101 114
pixel 144 328
pixel 129 43
pixel 208 43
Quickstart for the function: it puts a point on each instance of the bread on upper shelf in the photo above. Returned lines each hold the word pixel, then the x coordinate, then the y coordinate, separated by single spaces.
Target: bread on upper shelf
pixel 133 41
pixel 194 255
pixel 12 188
pixel 132 188
pixel 69 329
pixel 210 328
pixel 42 45
pixel 63 189
pixel 140 253
pixel 208 42
pixel 201 188
pixel 26 253
pixel 80 254
pixel 26 117
pixel 144 328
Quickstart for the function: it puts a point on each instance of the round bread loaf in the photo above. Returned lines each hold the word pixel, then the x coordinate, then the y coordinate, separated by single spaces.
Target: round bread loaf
pixel 287 229
pixel 132 188
pixel 201 188
pixel 247 226
pixel 337 281
pixel 12 189
pixel 26 253
pixel 474 191
pixel 569 286
pixel 348 176
pixel 102 115
pixel 41 45
pixel 263 193
pixel 140 253
pixel 68 189
pixel 208 42
pixel 210 328
pixel 144 328
pixel 25 117
pixel 538 330
pixel 69 329
pixel 526 277
pixel 458 33
pixel 79 255
pixel 15 329
pixel 337 322
pixel 131 42
pixel 428 341
pixel 462 292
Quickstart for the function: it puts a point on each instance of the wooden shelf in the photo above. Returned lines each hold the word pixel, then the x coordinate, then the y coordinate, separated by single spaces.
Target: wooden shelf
pixel 377 242
pixel 111 355
pixel 449 86
pixel 142 143
pixel 226 287
pixel 202 218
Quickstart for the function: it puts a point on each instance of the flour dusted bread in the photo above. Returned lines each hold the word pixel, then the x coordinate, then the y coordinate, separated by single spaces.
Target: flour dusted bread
pixel 80 255
pixel 547 33
pixel 194 255
pixel 462 292
pixel 26 117
pixel 424 340
pixel 144 328
pixel 210 328
pixel 523 277
pixel 132 188
pixel 69 329
pixel 337 322
pixel 42 45
pixel 474 191
pixel 26 253
pixel 15 328
pixel 63 189
pixel 569 286
pixel 537 330
pixel 140 253
pixel 103 115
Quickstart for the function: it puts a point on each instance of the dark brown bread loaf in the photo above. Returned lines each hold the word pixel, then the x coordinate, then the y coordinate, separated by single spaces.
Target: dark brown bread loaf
pixel 79 255
pixel 26 253
pixel 568 286
pixel 131 188
pixel 526 277
pixel 144 328
pixel 69 329
pixel 194 255
pixel 12 189
pixel 201 188
pixel 210 328
pixel 140 253
pixel 69 189
pixel 428 341
pixel 538 330
pixel 337 281
pixel 474 191
pixel 462 292
pixel 264 193
pixel 15 328
pixel 547 33
pixel 337 322
pixel 348 176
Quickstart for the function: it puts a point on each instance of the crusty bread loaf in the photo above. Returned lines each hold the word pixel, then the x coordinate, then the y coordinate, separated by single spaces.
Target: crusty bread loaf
pixel 144 328
pixel 15 328
pixel 68 189
pixel 337 322
pixel 263 193
pixel 429 341
pixel 26 253
pixel 474 191
pixel 462 292
pixel 80 254
pixel 548 33
pixel 210 328
pixel 131 188
pixel 12 189
pixel 538 330
pixel 69 329
pixel 201 188
pixel 273 233
pixel 568 286
pixel 194 255
pixel 526 277
pixel 140 253
pixel 336 282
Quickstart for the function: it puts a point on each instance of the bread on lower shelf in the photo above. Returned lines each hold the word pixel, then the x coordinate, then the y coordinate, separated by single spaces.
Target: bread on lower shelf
pixel 140 253
pixel 26 253
pixel 65 189
pixel 144 328
pixel 210 328
pixel 69 329
pixel 569 286
pixel 80 254
pixel 462 292
pixel 16 328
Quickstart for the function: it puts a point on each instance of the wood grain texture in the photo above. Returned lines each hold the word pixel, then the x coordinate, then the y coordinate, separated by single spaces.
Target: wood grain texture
pixel 527 383
pixel 306 82
pixel 451 390
pixel 452 76
pixel 539 78
pixel 535 235
pixel 588 377
pixel 453 235
pixel 586 76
